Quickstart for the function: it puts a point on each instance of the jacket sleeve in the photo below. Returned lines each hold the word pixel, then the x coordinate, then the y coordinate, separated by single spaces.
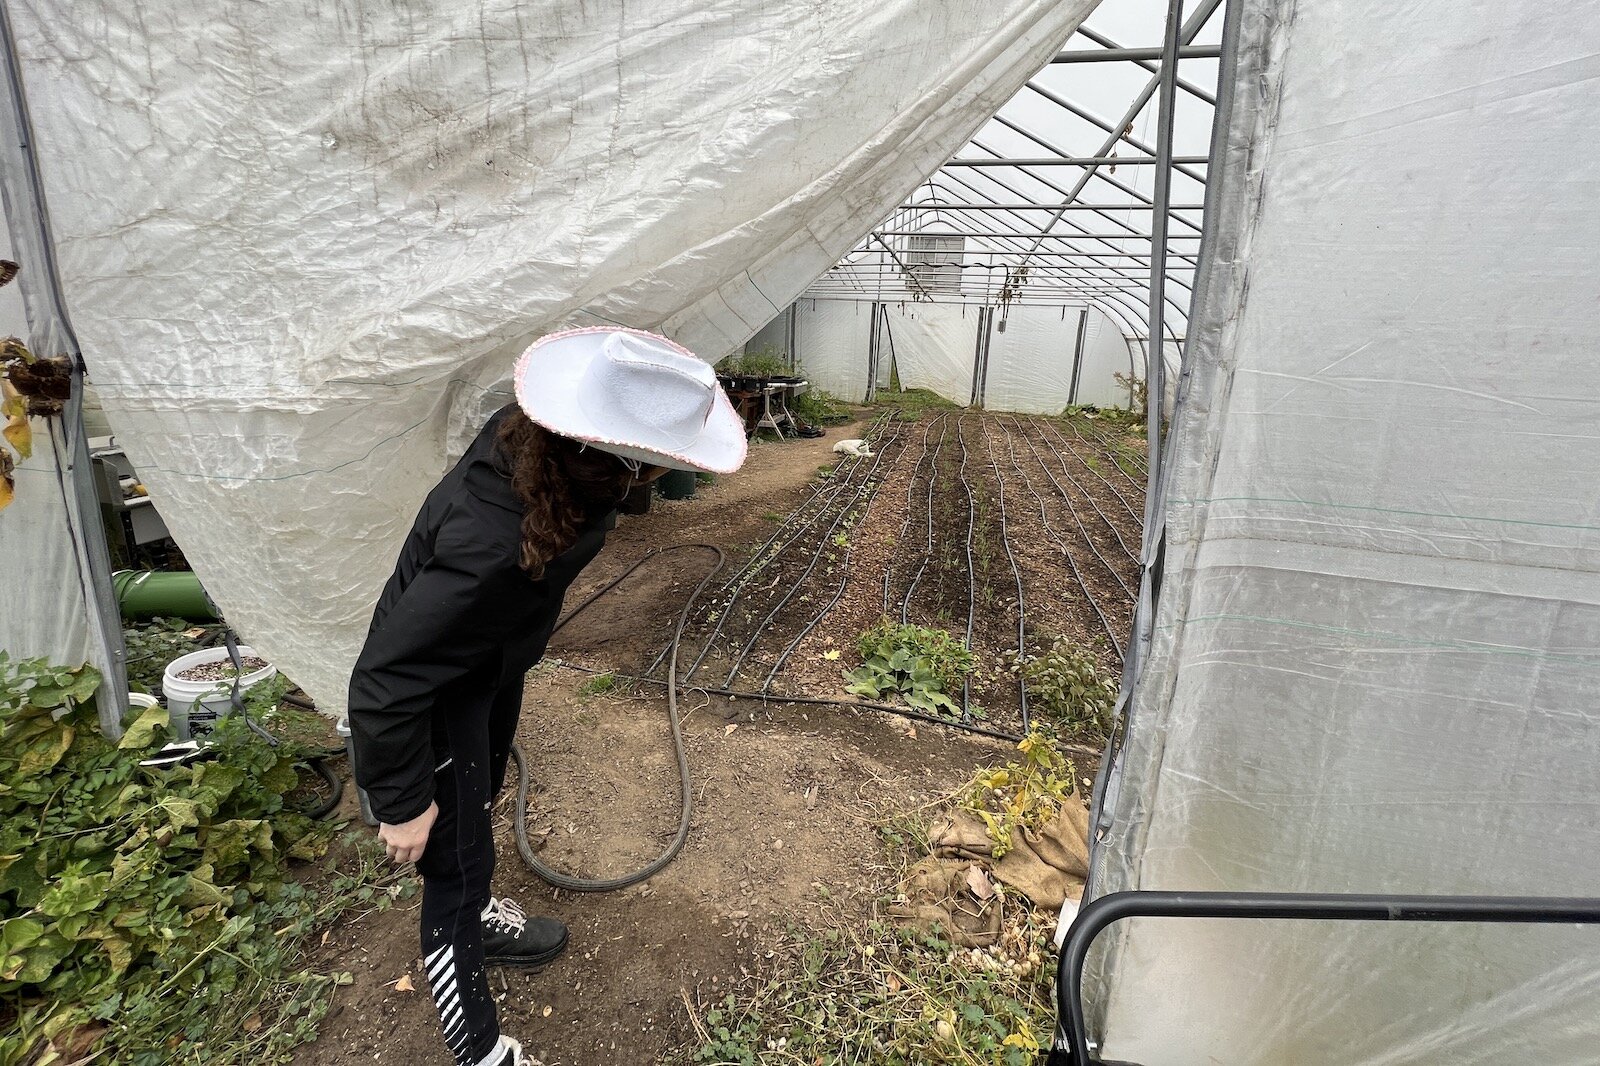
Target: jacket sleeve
pixel 451 619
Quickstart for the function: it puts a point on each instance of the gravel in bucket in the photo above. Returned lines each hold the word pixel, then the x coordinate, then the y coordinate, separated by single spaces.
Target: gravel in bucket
pixel 222 669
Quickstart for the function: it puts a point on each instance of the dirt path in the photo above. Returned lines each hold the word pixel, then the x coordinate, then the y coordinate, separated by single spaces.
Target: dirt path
pixel 783 826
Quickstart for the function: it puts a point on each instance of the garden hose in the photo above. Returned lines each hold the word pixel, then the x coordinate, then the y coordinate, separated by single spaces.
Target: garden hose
pixel 335 785
pixel 686 793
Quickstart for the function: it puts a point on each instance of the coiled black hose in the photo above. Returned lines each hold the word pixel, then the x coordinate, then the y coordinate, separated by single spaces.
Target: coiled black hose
pixel 686 788
pixel 335 786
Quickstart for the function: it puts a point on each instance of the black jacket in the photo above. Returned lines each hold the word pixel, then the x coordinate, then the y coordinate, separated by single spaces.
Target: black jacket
pixel 458 621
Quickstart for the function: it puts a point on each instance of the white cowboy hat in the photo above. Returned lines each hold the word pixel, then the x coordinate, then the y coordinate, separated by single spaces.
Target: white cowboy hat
pixel 632 394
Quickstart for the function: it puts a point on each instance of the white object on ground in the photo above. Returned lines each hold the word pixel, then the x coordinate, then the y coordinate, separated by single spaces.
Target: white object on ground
pixel 1069 913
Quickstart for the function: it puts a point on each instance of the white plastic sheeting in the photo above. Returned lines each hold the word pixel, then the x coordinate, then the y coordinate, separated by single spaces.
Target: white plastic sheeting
pixel 831 342
pixel 40 619
pixel 302 244
pixel 1030 364
pixel 1107 353
pixel 933 346
pixel 1376 662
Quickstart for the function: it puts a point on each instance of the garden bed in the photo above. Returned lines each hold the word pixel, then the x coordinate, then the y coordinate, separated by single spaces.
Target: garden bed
pixel 790 798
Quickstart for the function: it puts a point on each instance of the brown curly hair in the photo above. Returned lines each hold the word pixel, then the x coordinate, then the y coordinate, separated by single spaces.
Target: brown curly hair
pixel 562 485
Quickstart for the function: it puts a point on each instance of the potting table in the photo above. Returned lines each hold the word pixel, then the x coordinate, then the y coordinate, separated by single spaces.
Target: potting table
pixel 775 408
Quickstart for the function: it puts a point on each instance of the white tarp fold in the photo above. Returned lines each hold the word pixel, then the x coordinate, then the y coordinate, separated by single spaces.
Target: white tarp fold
pixel 1376 661
pixel 302 245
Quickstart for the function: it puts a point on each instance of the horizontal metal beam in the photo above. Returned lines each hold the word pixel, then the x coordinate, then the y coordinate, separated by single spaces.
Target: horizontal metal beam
pixel 1193 90
pixel 1123 55
pixel 1031 236
pixel 961 206
pixel 1080 161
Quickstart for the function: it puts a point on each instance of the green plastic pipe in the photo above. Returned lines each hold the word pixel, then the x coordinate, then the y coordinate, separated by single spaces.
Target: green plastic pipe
pixel 163 594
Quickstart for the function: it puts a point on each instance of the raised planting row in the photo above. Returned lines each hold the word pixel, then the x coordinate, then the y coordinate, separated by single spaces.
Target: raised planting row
pixel 969 562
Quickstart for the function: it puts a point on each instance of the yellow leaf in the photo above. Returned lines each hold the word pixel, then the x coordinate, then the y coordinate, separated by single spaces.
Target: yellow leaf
pixel 404 984
pixel 830 655
pixel 19 436
pixel 7 486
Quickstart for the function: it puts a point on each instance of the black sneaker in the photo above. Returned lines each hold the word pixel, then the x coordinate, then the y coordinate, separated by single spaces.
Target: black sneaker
pixel 511 938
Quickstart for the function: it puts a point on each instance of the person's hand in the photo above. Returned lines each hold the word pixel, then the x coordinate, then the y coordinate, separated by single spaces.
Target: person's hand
pixel 405 842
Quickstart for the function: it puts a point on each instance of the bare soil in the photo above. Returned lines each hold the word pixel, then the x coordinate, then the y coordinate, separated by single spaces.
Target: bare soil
pixel 786 795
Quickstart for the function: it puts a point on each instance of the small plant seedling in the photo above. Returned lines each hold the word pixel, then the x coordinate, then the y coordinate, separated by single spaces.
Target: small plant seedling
pixel 598 685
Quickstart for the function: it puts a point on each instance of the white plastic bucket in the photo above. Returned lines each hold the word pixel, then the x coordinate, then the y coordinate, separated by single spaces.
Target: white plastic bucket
pixel 343 727
pixel 195 706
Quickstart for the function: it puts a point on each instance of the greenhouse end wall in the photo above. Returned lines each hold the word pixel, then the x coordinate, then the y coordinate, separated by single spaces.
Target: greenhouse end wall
pixel 934 345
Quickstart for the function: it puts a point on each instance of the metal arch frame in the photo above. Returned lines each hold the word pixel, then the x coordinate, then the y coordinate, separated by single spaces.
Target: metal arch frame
pixel 1031 249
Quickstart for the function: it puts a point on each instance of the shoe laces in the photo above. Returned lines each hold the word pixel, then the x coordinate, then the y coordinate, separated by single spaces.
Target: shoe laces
pixel 505 915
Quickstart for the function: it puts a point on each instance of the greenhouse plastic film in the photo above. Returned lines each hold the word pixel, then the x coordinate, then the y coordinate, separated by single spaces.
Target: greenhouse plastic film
pixel 1030 364
pixel 933 347
pixel 303 243
pixel 1376 657
pixel 833 337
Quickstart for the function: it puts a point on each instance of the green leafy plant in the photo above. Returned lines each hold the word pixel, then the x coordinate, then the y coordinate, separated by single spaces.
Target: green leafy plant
pixel 820 408
pixel 1024 794
pixel 761 363
pixel 919 664
pixel 141 904
pixel 151 646
pixel 1067 685
pixel 1138 395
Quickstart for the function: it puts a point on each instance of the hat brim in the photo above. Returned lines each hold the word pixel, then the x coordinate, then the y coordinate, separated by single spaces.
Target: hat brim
pixel 547 378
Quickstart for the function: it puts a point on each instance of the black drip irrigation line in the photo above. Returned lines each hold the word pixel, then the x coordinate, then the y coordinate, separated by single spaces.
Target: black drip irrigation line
pixel 1016 572
pixel 972 580
pixel 825 701
pixel 838 593
pixel 1136 514
pixel 927 552
pixel 1083 530
pixel 1111 636
pixel 686 789
pixel 905 525
pixel 760 561
pixel 335 785
pixel 1110 444
pixel 829 483
pixel 821 545
pixel 1044 438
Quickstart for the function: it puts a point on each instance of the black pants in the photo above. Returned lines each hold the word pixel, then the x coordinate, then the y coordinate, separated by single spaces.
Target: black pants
pixel 473 743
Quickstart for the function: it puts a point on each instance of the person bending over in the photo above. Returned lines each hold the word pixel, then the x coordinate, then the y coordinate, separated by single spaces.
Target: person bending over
pixel 437 690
